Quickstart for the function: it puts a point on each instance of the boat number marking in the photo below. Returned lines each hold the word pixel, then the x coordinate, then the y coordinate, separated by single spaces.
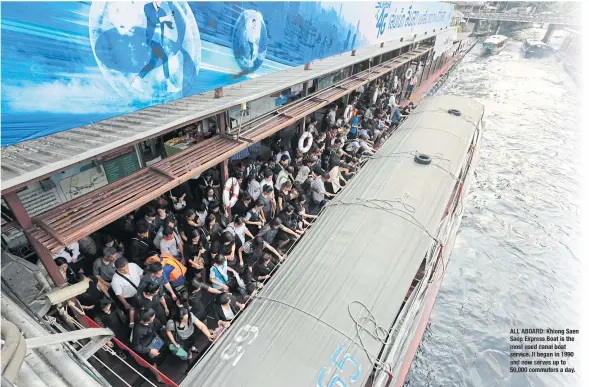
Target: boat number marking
pixel 236 349
pixel 336 380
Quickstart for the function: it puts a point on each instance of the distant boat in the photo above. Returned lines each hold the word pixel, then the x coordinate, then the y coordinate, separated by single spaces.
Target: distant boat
pixel 494 43
pixel 536 48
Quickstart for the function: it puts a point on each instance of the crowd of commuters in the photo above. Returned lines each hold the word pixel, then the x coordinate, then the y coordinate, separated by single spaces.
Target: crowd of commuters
pixel 168 279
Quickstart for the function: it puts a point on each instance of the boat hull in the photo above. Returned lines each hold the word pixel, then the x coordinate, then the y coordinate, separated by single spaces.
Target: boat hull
pixel 492 50
pixel 440 270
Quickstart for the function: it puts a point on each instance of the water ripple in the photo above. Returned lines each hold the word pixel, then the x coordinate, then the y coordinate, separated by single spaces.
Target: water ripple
pixel 514 263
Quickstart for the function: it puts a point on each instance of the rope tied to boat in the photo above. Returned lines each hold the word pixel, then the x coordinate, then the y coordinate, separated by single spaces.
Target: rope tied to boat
pixel 392 208
pixel 366 322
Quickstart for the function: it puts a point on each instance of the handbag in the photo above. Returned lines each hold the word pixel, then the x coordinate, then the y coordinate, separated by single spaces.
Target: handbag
pixel 179 205
pixel 156 343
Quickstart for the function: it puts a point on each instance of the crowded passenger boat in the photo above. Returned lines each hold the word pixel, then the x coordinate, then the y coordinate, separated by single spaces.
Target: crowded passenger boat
pixel 171 277
pixel 359 287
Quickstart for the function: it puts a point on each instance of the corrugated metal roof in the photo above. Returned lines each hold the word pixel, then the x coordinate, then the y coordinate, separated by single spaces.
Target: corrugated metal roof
pixel 34 159
pixel 355 251
pixel 495 39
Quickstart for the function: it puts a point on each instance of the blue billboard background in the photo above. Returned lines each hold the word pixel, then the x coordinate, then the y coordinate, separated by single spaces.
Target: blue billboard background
pixel 70 64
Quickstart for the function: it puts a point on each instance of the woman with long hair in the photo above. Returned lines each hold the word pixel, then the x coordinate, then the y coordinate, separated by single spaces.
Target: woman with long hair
pixel 211 229
pixel 182 333
pixel 194 251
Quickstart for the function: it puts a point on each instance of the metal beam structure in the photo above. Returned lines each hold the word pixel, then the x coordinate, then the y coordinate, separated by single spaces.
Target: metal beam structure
pixel 523 18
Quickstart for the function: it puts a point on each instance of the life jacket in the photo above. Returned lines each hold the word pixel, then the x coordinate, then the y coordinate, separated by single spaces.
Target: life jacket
pixel 174 270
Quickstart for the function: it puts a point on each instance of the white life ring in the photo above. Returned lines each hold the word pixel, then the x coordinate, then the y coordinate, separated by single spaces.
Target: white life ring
pixel 231 186
pixel 306 136
pixel 348 113
pixel 408 73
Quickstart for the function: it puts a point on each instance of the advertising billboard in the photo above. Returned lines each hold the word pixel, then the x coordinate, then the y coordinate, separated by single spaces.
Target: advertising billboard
pixel 68 64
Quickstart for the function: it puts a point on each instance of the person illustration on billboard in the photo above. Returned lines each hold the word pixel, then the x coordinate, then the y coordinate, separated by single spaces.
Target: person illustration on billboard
pixel 156 17
pixel 253 38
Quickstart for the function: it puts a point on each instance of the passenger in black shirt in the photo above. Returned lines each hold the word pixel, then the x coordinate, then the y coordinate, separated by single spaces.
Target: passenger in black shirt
pixel 150 220
pixel 146 340
pixel 68 273
pixel 263 268
pixel 161 217
pixel 289 220
pixel 150 299
pixel 140 245
pixel 109 316
pixel 211 229
pixel 194 250
pixel 198 301
pixel 284 196
pixel 189 222
pixel 225 309
pixel 215 209
pixel 230 246
pixel 242 206
pixel 92 296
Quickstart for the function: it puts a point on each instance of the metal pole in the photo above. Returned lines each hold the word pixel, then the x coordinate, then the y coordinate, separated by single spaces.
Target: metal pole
pixel 422 70
pixel 26 224
pixel 304 119
pixel 429 69
pixel 139 155
pixel 225 163
pixel 55 355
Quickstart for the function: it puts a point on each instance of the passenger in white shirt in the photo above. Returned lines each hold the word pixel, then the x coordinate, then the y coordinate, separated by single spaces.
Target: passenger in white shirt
pixel 267 180
pixel 238 227
pixel 171 243
pixel 201 212
pixel 70 252
pixel 283 151
pixel 283 177
pixel 125 282
pixel 254 188
pixel 392 102
pixel 305 171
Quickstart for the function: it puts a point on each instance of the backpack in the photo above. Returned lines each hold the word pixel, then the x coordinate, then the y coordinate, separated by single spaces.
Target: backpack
pixel 174 271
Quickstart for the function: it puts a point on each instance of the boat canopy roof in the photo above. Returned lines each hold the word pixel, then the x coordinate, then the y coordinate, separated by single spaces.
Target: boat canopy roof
pixel 367 247
pixel 535 42
pixel 495 39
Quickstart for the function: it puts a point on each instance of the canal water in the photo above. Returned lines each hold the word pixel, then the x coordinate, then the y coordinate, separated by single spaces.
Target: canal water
pixel 515 263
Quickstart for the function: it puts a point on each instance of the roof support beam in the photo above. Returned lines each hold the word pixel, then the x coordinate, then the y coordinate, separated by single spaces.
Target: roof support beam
pixel 26 223
pixel 162 172
pixel 49 230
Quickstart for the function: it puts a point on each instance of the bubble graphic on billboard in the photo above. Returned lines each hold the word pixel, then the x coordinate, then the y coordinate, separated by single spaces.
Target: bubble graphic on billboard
pixel 249 40
pixel 146 51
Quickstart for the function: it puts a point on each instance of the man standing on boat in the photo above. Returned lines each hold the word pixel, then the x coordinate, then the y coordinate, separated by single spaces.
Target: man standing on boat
pixel 156 17
pixel 318 191
pixel 253 39
pixel 410 87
